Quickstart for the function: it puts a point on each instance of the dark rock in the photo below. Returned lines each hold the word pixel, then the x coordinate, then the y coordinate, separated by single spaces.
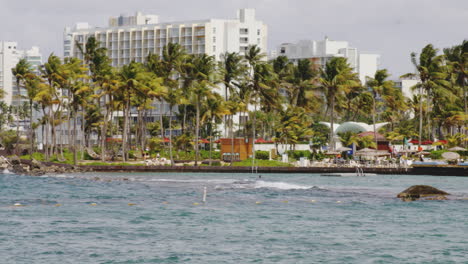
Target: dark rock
pixel 18 169
pixel 417 191
pixel 15 160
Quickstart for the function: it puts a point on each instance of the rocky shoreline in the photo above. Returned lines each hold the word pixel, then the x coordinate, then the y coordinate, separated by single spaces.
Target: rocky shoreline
pixel 36 168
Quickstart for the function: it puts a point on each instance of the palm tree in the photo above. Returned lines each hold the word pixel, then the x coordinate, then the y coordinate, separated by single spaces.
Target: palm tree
pixel 204 67
pixel 52 71
pixel 334 78
pixel 261 77
pixel 429 70
pixel 172 58
pixel 130 76
pixel 231 70
pixel 457 58
pixel 33 84
pixel 20 71
pixel 379 86
pixel 214 110
pixel 303 75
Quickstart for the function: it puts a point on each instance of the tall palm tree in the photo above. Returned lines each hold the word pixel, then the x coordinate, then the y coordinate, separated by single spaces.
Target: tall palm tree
pixel 379 86
pixel 52 71
pixel 430 71
pixel 33 85
pixel 334 78
pixel 214 110
pixel 231 70
pixel 20 71
pixel 204 66
pixel 172 58
pixel 457 59
pixel 130 76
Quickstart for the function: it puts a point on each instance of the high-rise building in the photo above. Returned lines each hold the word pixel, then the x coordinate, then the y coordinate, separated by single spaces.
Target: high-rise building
pixel 9 57
pixel 320 52
pixel 133 38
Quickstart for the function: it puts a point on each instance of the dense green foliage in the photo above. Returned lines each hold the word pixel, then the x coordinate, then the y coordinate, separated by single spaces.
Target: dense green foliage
pixel 276 100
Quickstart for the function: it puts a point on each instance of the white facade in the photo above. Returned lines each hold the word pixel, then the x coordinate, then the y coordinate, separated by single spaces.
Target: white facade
pixel 133 38
pixel 405 85
pixel 320 52
pixel 9 57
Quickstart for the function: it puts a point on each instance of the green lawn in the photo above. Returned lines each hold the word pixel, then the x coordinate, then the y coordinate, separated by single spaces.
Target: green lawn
pixel 262 163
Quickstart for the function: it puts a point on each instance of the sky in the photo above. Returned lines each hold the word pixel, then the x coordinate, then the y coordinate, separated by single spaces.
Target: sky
pixel 391 28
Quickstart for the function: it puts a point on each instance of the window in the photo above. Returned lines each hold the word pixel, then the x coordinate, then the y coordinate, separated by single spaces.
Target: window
pixel 283 50
pixel 258 32
pixel 244 31
pixel 258 41
pixel 214 48
pixel 214 30
pixel 214 39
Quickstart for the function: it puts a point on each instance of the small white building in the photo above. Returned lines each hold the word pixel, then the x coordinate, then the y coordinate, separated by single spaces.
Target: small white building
pixel 320 52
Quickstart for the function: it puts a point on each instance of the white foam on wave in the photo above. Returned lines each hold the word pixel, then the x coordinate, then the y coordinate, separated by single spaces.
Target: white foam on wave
pixel 6 171
pixel 281 185
pixel 213 181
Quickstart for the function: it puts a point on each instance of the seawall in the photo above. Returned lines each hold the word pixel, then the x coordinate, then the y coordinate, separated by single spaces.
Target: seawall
pixel 434 170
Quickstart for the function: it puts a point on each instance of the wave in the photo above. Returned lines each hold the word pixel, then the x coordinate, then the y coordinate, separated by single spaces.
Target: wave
pixel 259 184
pixel 6 171
pixel 282 186
pixel 213 181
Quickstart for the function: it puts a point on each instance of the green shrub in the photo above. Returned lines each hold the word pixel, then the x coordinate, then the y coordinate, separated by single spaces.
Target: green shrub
pixel 437 154
pixel 297 154
pixel 262 155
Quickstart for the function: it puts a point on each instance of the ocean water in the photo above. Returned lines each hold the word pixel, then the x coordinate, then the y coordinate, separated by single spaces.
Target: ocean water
pixel 278 218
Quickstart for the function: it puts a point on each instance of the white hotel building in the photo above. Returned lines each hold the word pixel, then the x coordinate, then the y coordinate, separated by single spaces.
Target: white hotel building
pixel 9 57
pixel 320 52
pixel 133 38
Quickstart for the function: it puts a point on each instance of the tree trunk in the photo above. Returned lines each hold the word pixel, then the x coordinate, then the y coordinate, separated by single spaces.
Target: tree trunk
pixel 197 132
pixel 253 135
pixel 75 159
pixel 104 132
pixel 31 132
pixel 211 140
pixel 373 120
pixel 161 119
pixel 232 139
pixel 125 130
pixel 170 135
pixel 332 120
pixel 420 116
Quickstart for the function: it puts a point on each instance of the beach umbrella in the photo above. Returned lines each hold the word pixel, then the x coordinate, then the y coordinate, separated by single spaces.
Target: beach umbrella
pixel 457 149
pixel 366 150
pixel 450 155
pixel 343 149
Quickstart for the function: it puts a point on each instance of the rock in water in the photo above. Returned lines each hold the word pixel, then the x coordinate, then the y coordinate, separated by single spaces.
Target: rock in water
pixel 417 191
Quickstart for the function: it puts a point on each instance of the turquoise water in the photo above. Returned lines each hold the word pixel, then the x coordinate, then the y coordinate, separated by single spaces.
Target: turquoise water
pixel 280 218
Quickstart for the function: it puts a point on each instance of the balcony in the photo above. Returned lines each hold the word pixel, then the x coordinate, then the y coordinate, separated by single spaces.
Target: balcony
pixel 200 33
